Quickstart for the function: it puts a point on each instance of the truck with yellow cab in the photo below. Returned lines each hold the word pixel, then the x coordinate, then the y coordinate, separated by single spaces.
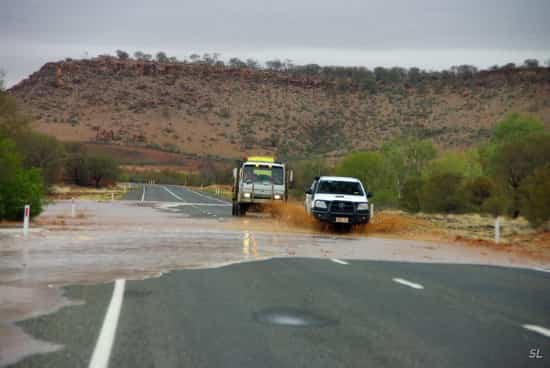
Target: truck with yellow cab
pixel 259 181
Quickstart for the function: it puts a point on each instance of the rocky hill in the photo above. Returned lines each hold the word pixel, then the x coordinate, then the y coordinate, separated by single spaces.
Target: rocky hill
pixel 228 112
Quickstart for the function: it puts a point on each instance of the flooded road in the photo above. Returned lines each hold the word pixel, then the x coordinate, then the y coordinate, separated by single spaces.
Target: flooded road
pixel 158 229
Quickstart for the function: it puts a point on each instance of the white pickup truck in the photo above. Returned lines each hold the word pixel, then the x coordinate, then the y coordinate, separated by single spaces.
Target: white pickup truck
pixel 338 200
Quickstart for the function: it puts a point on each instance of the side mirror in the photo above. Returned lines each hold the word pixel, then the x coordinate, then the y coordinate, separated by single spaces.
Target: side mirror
pixel 369 194
pixel 309 191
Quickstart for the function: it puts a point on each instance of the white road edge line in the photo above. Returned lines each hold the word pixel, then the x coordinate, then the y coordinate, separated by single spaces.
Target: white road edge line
pixel 104 344
pixel 408 283
pixel 542 269
pixel 143 194
pixel 173 194
pixel 541 330
pixel 339 261
pixel 205 196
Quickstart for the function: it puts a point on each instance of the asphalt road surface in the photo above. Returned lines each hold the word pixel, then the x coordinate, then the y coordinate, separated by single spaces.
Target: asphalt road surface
pixel 296 312
pixel 181 199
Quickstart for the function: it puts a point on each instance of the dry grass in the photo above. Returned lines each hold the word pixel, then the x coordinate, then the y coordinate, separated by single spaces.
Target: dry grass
pixel 60 192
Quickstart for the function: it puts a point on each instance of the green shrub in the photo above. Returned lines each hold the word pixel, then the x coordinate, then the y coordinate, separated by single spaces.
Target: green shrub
pixel 535 196
pixel 443 193
pixel 411 195
pixel 477 191
pixel 18 186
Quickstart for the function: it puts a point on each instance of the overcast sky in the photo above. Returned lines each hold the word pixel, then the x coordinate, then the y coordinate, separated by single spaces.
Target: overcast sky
pixel 431 34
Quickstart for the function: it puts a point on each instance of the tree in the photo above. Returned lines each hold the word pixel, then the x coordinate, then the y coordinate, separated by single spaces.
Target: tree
pixel 465 163
pixel 477 192
pixel 13 123
pixel 515 126
pixel 122 55
pixel 411 194
pixel 531 63
pixel 515 160
pixel 443 193
pixel 535 196
pixel 42 152
pixel 18 186
pixel 237 63
pixel 371 169
pixel 275 64
pixel 252 64
pixel 464 71
pixel 138 55
pixel 195 58
pixel 102 170
pixel 161 57
pixel 417 154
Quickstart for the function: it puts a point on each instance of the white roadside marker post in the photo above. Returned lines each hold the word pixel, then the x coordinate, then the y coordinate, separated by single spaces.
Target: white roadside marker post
pixel 372 210
pixel 73 208
pixel 26 215
pixel 497 230
pixel 112 196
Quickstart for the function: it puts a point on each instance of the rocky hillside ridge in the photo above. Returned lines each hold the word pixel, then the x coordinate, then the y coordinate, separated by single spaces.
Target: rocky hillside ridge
pixel 227 112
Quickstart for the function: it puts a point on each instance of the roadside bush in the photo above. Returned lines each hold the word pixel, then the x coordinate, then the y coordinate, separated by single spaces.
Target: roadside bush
pixel 477 191
pixel 535 196
pixel 18 186
pixel 374 172
pixel 42 152
pixel 102 170
pixel 516 160
pixel 84 169
pixel 411 195
pixel 443 193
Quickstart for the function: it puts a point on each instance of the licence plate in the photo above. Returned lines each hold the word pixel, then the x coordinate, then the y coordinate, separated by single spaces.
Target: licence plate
pixel 342 220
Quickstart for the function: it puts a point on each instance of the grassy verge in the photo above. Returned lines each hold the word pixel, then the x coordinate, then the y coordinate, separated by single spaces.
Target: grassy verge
pixel 64 192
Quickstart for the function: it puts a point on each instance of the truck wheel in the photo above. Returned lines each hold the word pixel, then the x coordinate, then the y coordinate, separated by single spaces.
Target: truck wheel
pixel 242 209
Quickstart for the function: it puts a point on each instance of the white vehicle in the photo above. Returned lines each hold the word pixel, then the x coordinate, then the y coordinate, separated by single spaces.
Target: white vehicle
pixel 338 200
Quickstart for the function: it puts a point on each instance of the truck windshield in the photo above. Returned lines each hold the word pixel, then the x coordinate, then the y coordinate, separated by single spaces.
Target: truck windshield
pixel 263 174
pixel 339 187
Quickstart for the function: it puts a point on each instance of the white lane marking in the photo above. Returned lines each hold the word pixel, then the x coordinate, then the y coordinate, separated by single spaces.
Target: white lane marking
pixel 205 196
pixel 408 283
pixel 542 269
pixel 104 344
pixel 143 194
pixel 173 194
pixel 183 204
pixel 541 330
pixel 339 261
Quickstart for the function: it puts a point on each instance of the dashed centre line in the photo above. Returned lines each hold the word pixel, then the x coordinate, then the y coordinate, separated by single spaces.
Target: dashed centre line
pixel 408 283
pixel 538 329
pixel 335 260
pixel 173 194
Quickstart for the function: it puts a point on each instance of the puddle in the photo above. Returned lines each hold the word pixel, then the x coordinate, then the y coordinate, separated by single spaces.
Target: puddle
pixel 292 317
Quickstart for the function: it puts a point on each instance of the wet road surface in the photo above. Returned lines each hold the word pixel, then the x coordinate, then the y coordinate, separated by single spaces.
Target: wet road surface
pixel 299 312
pixel 311 313
pixel 182 200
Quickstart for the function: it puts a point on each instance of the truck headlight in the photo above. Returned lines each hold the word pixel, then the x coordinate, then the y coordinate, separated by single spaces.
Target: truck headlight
pixel 277 196
pixel 362 207
pixel 246 195
pixel 320 204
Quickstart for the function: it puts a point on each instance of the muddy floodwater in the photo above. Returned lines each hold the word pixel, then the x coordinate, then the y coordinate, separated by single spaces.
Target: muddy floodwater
pixel 105 241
